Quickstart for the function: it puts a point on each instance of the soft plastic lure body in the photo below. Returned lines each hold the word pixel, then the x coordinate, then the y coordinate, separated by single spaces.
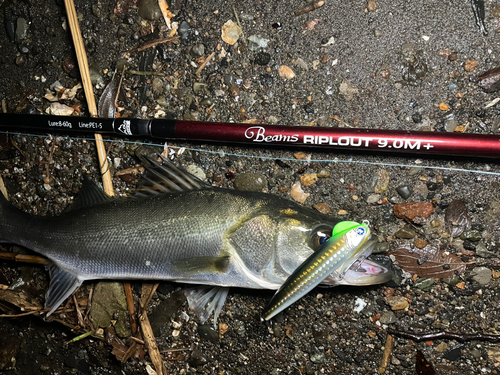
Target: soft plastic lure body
pixel 334 258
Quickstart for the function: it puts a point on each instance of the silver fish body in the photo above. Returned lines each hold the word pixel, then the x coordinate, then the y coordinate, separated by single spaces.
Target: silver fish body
pixel 206 235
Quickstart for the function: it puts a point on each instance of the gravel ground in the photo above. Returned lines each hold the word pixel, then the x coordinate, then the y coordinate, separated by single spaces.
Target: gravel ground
pixel 404 65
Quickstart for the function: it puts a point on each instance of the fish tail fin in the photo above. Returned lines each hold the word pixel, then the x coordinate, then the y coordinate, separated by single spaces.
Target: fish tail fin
pixel 204 300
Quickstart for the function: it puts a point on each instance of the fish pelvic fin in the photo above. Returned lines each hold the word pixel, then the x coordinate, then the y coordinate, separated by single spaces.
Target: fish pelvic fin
pixel 204 300
pixel 62 285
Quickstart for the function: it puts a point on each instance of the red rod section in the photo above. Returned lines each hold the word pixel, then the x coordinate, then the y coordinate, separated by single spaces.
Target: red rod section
pixel 396 141
pixel 413 142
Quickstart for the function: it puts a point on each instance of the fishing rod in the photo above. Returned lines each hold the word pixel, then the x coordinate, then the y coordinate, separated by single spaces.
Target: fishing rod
pixel 395 141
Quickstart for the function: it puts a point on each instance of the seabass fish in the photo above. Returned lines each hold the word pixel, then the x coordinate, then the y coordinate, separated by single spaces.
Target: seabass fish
pixel 179 229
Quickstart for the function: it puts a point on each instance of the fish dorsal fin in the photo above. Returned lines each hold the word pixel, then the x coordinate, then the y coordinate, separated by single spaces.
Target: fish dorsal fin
pixel 89 195
pixel 62 285
pixel 165 177
pixel 204 300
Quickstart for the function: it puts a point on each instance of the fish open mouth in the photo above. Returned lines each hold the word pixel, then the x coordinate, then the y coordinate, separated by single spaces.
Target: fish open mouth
pixel 363 271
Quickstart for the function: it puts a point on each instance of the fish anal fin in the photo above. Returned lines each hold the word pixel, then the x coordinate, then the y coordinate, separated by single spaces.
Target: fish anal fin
pixel 62 285
pixel 204 300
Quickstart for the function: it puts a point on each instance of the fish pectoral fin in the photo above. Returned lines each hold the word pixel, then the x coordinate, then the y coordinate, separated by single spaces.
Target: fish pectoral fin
pixel 204 300
pixel 62 285
pixel 202 265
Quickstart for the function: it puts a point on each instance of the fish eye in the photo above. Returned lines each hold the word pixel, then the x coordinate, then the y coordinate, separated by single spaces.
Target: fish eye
pixel 319 236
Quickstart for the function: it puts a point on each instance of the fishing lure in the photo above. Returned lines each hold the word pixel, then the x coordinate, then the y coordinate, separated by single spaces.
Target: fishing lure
pixel 347 245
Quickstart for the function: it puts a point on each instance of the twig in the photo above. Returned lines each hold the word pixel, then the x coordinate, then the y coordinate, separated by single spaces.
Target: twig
pixel 238 22
pixel 309 7
pixel 155 42
pixel 130 351
pixel 24 258
pixel 89 92
pixel 342 122
pixel 207 60
pixel 49 160
pixel 139 341
pixel 147 331
pixel 147 293
pixel 445 336
pixel 81 337
pixel 19 315
pixel 130 306
pixel 119 86
pixel 389 345
pixel 78 312
pixel 143 73
pixel 172 350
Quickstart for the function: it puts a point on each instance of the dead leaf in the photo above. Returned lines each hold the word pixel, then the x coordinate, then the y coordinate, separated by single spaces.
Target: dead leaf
pixel 456 218
pixel 107 108
pixel 422 367
pixel 428 262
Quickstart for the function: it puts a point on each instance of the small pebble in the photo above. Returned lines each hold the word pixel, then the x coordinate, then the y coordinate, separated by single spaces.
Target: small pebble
pixel 481 275
pixel 196 171
pixel 323 208
pixel 471 235
pixel 388 317
pixel 443 106
pixel 197 50
pixel 21 29
pixel 298 194
pixel 405 232
pixel 441 348
pixel 347 90
pixel 373 198
pixel 404 191
pixel 453 56
pixel 149 10
pixel 263 58
pixel 308 179
pixel 231 32
pixel 397 302
pixel 318 358
pixel 21 60
pixel 323 173
pixel 424 284
pixel 412 210
pixel 372 6
pixel 420 243
pixel 470 65
pixel 383 180
pixel 286 72
pixel 300 155
pixel 222 328
pixel 207 333
pixel 197 358
pixel 256 42
pixel 250 182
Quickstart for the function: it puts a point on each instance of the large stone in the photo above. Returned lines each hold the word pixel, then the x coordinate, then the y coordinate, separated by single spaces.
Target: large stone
pixel 109 306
